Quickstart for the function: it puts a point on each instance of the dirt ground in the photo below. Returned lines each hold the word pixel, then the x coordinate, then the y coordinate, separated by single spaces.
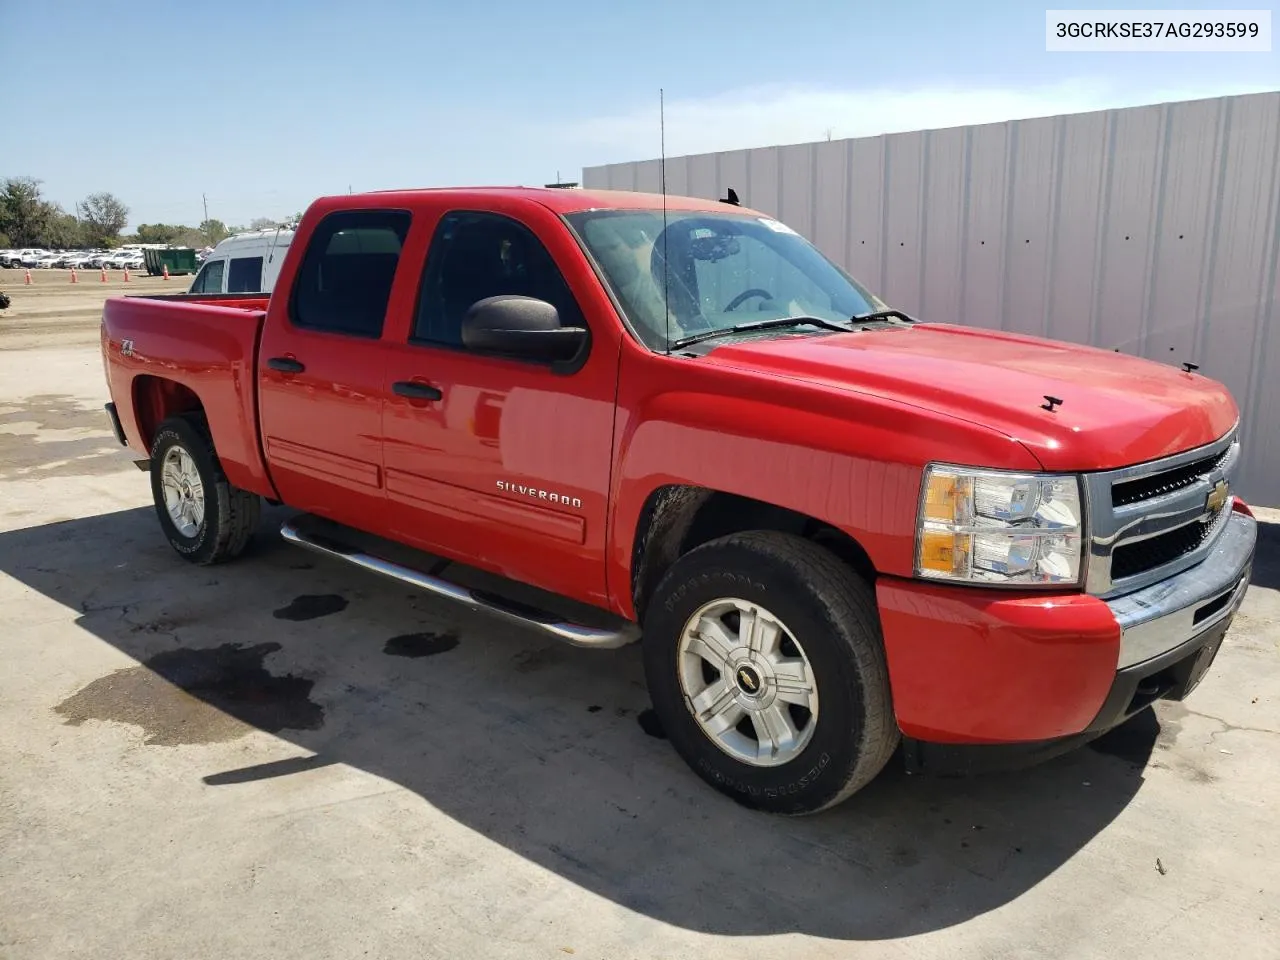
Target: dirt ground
pixel 53 311
pixel 285 758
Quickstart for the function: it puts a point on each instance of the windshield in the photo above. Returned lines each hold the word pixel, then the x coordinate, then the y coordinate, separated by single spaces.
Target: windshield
pixel 723 270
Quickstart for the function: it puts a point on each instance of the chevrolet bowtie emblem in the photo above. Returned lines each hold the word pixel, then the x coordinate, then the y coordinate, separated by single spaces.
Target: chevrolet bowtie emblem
pixel 1218 496
pixel 747 680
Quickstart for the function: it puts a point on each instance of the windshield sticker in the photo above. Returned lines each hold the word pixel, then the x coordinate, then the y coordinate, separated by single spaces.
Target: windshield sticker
pixel 775 226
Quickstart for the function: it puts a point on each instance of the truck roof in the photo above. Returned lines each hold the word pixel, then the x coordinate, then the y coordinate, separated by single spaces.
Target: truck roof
pixel 569 201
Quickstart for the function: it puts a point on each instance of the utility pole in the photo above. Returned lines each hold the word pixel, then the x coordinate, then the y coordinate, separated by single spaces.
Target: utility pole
pixel 205 198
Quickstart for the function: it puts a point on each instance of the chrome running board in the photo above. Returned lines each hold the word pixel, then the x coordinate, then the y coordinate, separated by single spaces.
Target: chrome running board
pixel 576 634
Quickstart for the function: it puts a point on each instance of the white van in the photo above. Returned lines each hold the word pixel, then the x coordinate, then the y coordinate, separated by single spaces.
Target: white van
pixel 244 263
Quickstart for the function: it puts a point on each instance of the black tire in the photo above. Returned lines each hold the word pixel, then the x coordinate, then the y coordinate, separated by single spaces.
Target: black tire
pixel 831 612
pixel 230 514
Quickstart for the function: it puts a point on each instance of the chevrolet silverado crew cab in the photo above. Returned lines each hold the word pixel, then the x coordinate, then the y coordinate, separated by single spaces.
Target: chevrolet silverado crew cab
pixel 833 528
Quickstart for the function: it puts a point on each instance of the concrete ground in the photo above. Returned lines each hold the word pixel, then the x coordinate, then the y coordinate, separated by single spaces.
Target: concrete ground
pixel 285 758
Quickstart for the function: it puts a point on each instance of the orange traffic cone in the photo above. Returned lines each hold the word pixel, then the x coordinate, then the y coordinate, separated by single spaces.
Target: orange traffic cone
pixel 104 274
pixel 166 271
pixel 27 278
pixel 73 276
pixel 126 274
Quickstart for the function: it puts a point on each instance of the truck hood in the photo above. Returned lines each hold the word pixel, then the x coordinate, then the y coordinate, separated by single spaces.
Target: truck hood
pixel 1116 410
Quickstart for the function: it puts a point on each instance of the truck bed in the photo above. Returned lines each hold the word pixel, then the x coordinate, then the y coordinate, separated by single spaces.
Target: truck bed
pixel 205 345
pixel 244 301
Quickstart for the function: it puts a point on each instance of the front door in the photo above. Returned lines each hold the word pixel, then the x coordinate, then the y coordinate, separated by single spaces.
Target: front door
pixel 497 462
pixel 322 372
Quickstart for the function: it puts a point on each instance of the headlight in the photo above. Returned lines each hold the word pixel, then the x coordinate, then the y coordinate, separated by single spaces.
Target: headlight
pixel 981 526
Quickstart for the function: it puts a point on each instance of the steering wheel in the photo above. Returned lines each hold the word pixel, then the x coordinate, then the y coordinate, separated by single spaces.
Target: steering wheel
pixel 747 295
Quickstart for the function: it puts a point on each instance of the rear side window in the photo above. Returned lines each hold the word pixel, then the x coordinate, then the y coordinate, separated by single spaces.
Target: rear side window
pixel 245 275
pixel 344 282
pixel 210 278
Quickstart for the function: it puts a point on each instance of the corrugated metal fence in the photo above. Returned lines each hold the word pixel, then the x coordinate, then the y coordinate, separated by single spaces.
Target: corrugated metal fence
pixel 1152 229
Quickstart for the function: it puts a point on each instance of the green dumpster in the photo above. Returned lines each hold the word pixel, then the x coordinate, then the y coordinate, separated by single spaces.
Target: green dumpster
pixel 179 260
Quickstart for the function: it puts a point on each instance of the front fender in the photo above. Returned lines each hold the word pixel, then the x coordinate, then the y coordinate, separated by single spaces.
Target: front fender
pixel 849 460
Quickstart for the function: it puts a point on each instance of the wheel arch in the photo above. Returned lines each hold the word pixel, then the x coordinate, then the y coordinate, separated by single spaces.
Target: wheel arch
pixel 676 518
pixel 156 399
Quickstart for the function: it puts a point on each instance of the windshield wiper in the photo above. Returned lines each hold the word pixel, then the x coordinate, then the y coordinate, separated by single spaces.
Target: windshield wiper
pixel 751 325
pixel 881 316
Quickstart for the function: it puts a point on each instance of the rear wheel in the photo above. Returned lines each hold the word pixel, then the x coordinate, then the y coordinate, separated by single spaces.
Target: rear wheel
pixel 204 517
pixel 765 663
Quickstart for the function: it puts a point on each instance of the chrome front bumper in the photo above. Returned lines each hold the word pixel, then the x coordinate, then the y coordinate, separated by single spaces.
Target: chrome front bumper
pixel 1166 614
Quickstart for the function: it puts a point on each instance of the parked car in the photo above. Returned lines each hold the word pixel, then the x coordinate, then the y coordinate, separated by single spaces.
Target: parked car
pixel 45 261
pixel 77 259
pixel 837 526
pixel 28 257
pixel 244 263
pixel 121 259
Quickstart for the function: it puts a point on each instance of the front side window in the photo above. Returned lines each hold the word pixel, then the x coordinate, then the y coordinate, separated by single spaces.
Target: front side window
pixel 245 275
pixel 712 271
pixel 344 282
pixel 209 279
pixel 479 255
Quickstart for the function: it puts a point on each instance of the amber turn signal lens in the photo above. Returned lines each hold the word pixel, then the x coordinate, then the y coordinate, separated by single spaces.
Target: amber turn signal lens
pixel 943 551
pixel 940 498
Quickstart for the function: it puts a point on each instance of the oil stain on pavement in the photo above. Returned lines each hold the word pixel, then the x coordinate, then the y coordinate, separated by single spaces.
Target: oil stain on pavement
pixel 420 644
pixel 311 606
pixel 199 696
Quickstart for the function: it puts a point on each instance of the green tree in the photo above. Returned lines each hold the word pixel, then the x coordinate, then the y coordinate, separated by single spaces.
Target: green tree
pixel 63 231
pixel 4 242
pixel 213 231
pixel 160 232
pixel 24 214
pixel 190 237
pixel 103 217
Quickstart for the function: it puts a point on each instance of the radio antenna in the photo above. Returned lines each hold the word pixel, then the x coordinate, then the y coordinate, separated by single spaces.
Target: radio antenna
pixel 662 173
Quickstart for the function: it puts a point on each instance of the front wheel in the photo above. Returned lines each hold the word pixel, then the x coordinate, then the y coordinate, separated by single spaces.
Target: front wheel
pixel 766 666
pixel 204 517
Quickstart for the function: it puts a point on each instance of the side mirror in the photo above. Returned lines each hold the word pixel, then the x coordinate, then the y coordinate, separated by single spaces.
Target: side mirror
pixel 521 327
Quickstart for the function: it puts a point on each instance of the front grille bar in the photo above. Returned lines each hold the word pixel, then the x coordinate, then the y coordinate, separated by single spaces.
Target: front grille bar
pixel 1126 492
pixel 1155 519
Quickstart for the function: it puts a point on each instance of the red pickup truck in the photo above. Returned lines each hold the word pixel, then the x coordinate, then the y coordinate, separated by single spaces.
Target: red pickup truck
pixel 839 528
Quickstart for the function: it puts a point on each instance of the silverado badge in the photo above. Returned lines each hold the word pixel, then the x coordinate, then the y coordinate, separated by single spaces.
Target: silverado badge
pixel 1218 496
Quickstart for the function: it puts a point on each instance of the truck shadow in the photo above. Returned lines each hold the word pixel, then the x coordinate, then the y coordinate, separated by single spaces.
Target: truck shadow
pixel 540 747
pixel 1266 565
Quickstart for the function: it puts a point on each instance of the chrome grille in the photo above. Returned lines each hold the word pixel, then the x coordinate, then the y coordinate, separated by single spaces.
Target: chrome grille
pixel 1153 520
pixel 1125 492
pixel 1131 559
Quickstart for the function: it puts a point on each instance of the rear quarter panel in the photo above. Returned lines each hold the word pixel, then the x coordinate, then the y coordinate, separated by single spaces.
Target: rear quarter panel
pixel 208 348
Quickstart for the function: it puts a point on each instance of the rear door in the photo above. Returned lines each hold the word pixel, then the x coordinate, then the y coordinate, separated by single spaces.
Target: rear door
pixel 493 461
pixel 322 368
